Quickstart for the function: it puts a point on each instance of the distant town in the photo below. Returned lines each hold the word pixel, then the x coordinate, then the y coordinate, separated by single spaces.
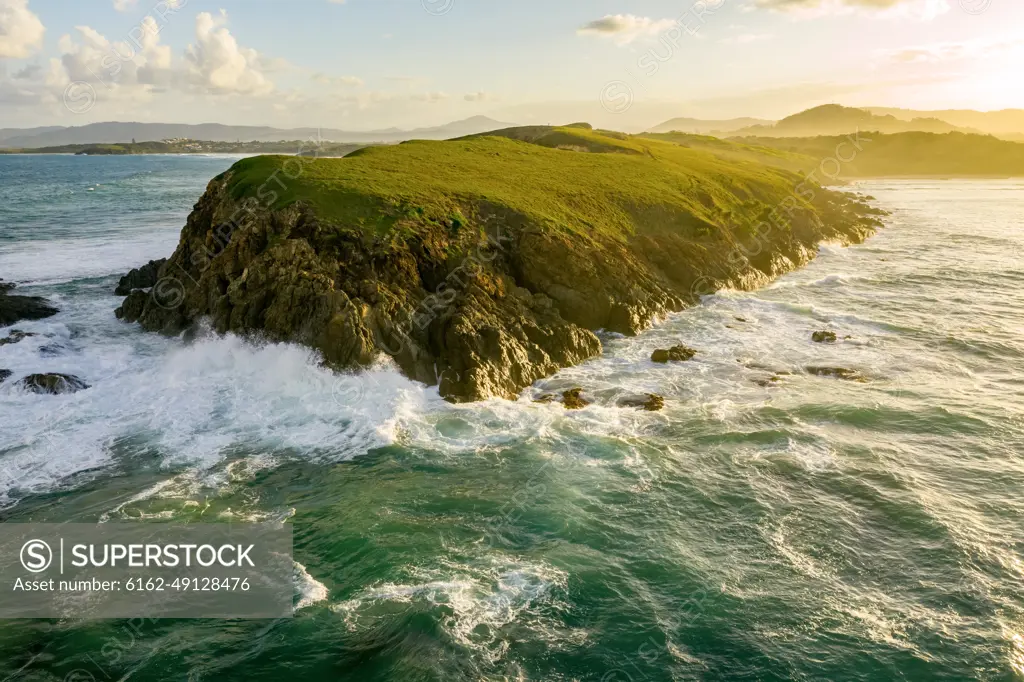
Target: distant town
pixel 183 145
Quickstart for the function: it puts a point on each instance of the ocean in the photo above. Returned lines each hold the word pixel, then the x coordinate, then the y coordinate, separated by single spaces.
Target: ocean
pixel 801 528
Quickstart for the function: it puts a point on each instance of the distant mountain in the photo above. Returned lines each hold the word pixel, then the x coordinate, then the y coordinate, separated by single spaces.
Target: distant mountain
pixel 834 119
pixel 1006 122
pixel 114 132
pixel 698 126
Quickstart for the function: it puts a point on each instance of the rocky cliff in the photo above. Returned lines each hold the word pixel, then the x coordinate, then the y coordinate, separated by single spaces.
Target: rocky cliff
pixel 486 263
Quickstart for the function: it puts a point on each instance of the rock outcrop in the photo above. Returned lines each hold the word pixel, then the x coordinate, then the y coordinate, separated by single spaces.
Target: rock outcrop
pixel 5 374
pixel 673 354
pixel 823 337
pixel 144 277
pixel 52 383
pixel 16 308
pixel 478 265
pixel 15 336
pixel 652 402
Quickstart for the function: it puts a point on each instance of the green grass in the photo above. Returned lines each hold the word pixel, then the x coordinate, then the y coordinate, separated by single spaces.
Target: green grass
pixel 574 180
pixel 915 153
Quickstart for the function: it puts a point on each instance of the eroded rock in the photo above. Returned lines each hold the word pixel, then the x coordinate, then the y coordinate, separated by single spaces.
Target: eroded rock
pixel 16 308
pixel 53 383
pixel 15 336
pixel 143 277
pixel 573 399
pixel 652 402
pixel 673 354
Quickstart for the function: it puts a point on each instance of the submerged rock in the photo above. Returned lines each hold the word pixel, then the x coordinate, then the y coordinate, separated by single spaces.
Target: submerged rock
pixel 823 337
pixel 5 374
pixel 673 354
pixel 573 399
pixel 16 308
pixel 838 373
pixel 15 336
pixel 53 383
pixel 143 277
pixel 652 402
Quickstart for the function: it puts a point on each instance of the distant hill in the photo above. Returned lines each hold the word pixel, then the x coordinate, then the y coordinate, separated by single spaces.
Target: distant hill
pixel 835 119
pixel 707 127
pixel 1004 123
pixel 902 154
pixel 114 132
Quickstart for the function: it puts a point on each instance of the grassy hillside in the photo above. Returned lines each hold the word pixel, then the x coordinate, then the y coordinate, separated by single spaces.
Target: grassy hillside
pixel 569 179
pixel 952 154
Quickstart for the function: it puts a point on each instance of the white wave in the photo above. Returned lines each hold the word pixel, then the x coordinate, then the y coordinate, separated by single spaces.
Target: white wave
pixel 70 259
pixel 482 597
pixel 191 405
pixel 309 590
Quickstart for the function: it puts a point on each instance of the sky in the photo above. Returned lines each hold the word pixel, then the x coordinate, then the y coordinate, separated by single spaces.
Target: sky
pixel 374 64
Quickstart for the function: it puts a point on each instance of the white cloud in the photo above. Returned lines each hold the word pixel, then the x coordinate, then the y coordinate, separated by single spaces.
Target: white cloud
pixel 140 61
pixel 21 31
pixel 125 5
pixel 925 10
pixel 216 62
pixel 952 52
pixel 625 28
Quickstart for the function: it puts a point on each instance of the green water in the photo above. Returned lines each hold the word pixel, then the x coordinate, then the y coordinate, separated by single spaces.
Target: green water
pixel 815 529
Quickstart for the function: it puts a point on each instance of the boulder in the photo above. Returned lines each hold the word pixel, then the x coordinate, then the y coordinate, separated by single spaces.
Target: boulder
pixel 16 308
pixel 573 399
pixel 652 402
pixel 5 374
pixel 15 336
pixel 140 278
pixel 53 383
pixel 673 354
pixel 823 337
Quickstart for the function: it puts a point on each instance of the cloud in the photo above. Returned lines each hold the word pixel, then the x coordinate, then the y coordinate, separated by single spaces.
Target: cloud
pixel 951 51
pixel 625 28
pixel 917 9
pixel 480 97
pixel 141 61
pixel 21 32
pixel 125 5
pixel 217 64
pixel 28 72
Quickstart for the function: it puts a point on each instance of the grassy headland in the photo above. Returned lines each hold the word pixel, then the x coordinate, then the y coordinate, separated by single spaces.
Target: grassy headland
pixel 485 263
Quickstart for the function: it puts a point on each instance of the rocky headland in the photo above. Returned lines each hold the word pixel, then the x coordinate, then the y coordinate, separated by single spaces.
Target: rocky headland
pixel 485 263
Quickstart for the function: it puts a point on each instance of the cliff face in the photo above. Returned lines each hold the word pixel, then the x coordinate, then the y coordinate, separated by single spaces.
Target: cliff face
pixel 481 265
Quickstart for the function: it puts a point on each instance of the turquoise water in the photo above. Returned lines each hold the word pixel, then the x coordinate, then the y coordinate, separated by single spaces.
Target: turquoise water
pixel 813 529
